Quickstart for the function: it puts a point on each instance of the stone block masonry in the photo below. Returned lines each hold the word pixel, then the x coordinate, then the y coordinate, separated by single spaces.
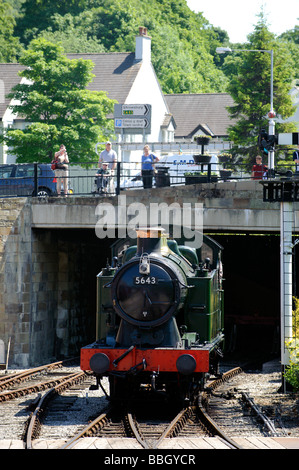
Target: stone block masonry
pixel 15 276
pixel 27 306
pixel 40 288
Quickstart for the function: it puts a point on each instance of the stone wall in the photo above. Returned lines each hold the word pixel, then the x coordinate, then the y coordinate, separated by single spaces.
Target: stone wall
pixel 15 277
pixel 27 288
pixel 46 288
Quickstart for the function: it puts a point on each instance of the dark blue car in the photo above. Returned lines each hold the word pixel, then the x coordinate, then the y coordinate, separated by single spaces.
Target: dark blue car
pixel 17 179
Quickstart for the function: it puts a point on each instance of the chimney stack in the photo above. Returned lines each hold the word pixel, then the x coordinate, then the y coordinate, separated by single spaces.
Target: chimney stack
pixel 143 45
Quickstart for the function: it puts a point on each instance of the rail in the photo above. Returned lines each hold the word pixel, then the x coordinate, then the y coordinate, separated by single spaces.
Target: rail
pixel 173 429
pixel 35 179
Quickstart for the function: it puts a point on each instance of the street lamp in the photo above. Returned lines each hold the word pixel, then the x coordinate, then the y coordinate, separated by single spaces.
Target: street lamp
pixel 271 114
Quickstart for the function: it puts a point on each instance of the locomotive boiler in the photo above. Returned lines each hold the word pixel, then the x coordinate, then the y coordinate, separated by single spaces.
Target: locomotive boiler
pixel 159 318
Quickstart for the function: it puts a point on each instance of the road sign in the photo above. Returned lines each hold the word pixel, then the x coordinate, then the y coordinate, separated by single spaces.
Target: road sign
pixel 135 109
pixel 131 123
pixel 132 118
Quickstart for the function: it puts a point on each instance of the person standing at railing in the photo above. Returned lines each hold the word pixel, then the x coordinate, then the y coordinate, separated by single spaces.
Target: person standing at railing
pixel 109 155
pixel 296 159
pixel 148 161
pixel 61 169
pixel 258 170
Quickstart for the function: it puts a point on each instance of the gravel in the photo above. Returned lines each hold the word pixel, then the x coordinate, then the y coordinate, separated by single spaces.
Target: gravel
pixel 265 388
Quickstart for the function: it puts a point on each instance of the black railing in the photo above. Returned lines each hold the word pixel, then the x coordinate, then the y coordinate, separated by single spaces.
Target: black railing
pixel 83 180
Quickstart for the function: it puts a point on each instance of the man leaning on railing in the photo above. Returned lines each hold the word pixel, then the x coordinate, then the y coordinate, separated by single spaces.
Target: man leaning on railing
pixel 109 156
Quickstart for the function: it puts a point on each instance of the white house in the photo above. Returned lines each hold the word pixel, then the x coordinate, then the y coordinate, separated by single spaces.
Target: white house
pixel 128 78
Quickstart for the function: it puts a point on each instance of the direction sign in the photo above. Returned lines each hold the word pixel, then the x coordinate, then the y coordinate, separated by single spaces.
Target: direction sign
pixel 131 123
pixel 132 118
pixel 135 109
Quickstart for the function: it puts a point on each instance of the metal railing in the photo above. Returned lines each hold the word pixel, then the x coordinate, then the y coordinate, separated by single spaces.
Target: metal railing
pixel 83 180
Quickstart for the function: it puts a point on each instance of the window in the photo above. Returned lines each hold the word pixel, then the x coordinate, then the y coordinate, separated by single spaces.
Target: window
pixel 25 171
pixel 6 171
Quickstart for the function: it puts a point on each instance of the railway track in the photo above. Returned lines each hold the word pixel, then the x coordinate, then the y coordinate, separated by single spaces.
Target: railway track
pixel 63 408
pixel 151 432
pixel 12 380
pixel 21 391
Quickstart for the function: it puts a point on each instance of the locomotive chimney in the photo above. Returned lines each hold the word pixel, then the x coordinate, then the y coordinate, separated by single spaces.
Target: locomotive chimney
pixel 149 239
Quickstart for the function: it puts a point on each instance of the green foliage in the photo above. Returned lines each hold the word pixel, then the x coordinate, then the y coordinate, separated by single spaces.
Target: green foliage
pixel 291 39
pixel 9 45
pixel 249 85
pixel 292 372
pixel 54 99
pixel 183 55
pixel 183 42
pixel 68 31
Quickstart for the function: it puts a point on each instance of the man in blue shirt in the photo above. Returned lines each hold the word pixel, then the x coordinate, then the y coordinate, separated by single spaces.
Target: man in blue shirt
pixel 296 158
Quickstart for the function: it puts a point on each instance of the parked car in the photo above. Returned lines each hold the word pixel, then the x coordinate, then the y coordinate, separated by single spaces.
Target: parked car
pixel 177 166
pixel 17 179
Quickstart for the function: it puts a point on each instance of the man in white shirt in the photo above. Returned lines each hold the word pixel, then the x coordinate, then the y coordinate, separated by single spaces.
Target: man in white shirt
pixel 108 155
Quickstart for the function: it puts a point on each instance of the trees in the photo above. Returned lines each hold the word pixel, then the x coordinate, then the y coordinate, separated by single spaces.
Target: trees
pixel 53 97
pixel 182 41
pixel 9 45
pixel 249 85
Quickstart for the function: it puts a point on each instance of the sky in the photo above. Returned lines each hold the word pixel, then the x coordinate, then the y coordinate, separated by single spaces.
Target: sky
pixel 238 17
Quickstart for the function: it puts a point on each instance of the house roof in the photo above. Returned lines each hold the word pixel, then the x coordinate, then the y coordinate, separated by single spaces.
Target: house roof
pixel 10 78
pixel 114 72
pixel 204 113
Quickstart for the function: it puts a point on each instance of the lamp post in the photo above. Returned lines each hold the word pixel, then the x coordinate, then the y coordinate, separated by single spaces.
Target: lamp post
pixel 271 114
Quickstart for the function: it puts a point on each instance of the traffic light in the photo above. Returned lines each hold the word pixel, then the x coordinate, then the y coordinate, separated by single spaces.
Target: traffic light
pixel 263 141
pixel 272 140
pixel 266 142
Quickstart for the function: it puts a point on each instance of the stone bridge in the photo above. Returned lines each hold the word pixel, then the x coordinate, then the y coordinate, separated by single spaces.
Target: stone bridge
pixel 228 206
pixel 50 255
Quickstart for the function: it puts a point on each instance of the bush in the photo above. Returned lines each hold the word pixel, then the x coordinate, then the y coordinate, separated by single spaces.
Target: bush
pixel 292 372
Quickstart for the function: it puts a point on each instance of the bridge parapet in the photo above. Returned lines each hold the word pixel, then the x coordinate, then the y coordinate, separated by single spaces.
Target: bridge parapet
pixel 233 205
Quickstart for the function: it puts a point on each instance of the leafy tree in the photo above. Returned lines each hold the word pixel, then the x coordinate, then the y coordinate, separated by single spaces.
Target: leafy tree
pixel 53 98
pixel 291 37
pixel 9 45
pixel 71 35
pixel 249 85
pixel 29 24
pixel 182 41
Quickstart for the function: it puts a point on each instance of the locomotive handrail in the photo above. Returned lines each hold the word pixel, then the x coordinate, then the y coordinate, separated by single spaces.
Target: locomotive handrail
pixel 116 361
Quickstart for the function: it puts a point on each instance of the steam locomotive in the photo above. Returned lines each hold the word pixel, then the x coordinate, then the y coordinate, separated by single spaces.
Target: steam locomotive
pixel 159 318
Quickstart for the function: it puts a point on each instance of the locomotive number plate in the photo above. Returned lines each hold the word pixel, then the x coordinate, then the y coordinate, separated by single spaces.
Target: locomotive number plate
pixel 145 280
